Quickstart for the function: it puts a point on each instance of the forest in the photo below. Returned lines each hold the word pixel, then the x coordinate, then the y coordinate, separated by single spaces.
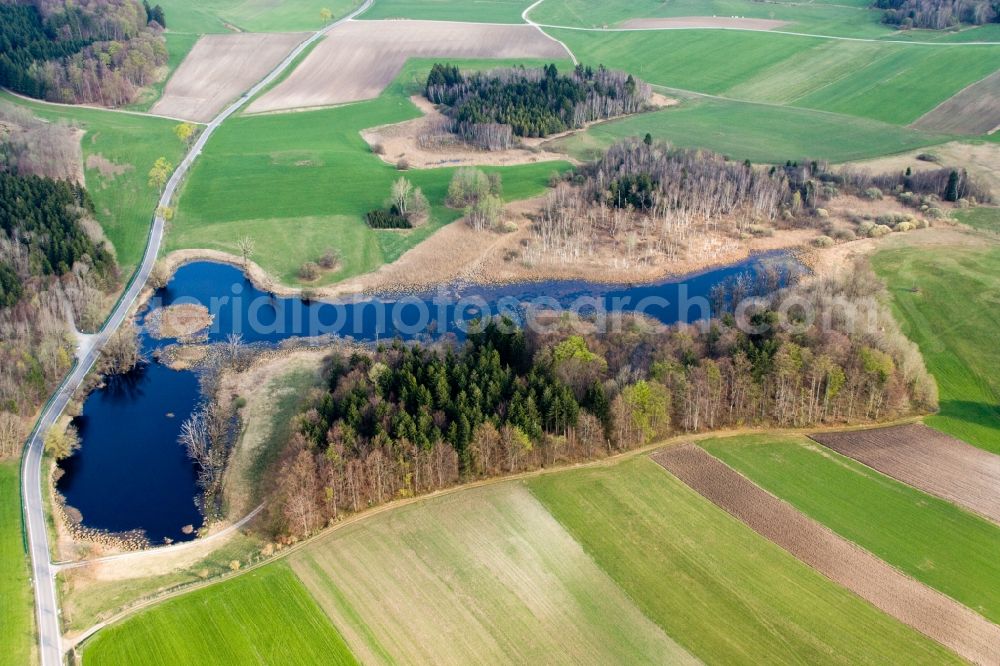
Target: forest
pixel 99 51
pixel 658 197
pixel 938 14
pixel 489 109
pixel 53 264
pixel 407 419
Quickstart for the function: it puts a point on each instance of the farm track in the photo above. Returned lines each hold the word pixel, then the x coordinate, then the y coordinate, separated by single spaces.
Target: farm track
pixel 931 613
pixel 43 571
pixel 928 460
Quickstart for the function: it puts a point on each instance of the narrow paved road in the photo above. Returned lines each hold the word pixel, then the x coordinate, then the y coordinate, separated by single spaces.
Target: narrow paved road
pixel 43 571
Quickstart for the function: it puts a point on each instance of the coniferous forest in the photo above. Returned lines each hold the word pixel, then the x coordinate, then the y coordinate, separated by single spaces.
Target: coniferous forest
pixel 490 108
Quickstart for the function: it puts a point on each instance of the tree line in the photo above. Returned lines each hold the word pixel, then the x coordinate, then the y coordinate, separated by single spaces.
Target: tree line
pixel 408 419
pixel 102 51
pixel 489 109
pixel 938 14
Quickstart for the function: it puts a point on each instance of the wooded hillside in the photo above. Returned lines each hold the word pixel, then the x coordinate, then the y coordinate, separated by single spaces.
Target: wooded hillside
pixel 938 14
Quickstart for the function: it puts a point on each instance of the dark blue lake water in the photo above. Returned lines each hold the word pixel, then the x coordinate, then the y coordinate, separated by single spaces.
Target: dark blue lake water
pixel 131 473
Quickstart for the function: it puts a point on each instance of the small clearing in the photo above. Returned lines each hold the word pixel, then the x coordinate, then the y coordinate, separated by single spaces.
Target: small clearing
pixel 681 22
pixel 427 142
pixel 911 602
pixel 485 575
pixel 358 59
pixel 929 460
pixel 218 69
pixel 973 110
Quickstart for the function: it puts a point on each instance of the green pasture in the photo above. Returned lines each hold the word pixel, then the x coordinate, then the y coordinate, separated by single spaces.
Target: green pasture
pixel 208 16
pixel 17 624
pixel 264 616
pixel 473 11
pixel 947 300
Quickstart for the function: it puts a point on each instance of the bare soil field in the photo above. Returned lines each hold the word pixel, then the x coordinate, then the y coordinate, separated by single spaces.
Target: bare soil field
pixel 218 69
pixel 358 59
pixel 702 22
pixel 972 110
pixel 926 610
pixel 927 460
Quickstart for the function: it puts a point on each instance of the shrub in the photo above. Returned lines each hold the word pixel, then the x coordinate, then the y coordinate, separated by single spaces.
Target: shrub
pixel 823 241
pixel 928 157
pixel 329 259
pixel 873 193
pixel 879 230
pixel 905 226
pixel 842 234
pixel 381 218
pixel 822 213
pixel 865 227
pixel 378 149
pixel 308 271
pixel 934 213
pixel 403 164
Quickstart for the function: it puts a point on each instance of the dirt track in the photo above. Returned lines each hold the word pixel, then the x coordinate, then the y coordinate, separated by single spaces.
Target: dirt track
pixel 928 460
pixel 359 59
pixel 911 602
pixel 703 22
pixel 220 68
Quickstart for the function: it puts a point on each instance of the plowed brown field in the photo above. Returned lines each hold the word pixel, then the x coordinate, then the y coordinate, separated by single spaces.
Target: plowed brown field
pixel 911 602
pixel 973 110
pixel 358 59
pixel 928 460
pixel 218 69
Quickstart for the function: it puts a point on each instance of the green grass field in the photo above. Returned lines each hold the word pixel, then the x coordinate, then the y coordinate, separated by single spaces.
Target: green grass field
pixel 894 83
pixel 484 572
pixel 953 316
pixel 301 182
pixel 475 11
pixel 758 132
pixel 716 587
pixel 17 624
pixel 837 19
pixel 208 16
pixel 124 200
pixel 927 538
pixel 985 219
pixel 264 616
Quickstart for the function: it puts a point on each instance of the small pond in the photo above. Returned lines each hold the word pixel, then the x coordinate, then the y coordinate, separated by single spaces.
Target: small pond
pixel 131 472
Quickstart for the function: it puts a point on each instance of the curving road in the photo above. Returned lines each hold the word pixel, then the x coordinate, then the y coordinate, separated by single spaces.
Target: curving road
pixel 43 570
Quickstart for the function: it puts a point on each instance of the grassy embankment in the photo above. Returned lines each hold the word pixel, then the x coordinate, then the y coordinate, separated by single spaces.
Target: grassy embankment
pixel 480 11
pixel 927 538
pixel 946 300
pixel 984 219
pixel 265 616
pixel 125 146
pixel 215 16
pixel 719 589
pixel 17 624
pixel 301 182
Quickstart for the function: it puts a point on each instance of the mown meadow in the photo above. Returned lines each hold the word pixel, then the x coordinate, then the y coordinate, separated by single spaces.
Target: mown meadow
pixel 946 300
pixel 481 11
pixel 927 538
pixel 216 16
